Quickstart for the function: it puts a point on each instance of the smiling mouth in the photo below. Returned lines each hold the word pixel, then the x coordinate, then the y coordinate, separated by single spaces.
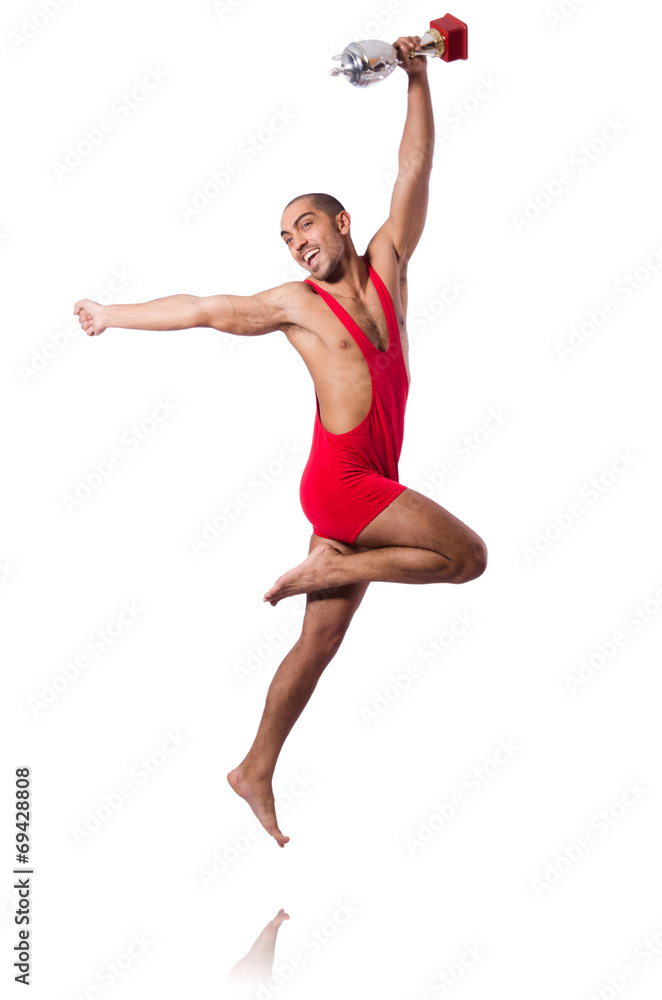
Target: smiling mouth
pixel 311 256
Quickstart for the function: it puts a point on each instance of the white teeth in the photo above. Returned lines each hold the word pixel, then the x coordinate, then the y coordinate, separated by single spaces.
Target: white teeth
pixel 307 257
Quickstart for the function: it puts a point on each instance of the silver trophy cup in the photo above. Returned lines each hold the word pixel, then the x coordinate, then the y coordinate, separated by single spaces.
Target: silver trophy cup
pixel 370 61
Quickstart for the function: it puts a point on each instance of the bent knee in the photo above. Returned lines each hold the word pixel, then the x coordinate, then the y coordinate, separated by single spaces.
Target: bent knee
pixel 321 643
pixel 472 563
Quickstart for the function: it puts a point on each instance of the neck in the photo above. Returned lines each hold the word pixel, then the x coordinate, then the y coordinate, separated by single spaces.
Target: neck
pixel 350 276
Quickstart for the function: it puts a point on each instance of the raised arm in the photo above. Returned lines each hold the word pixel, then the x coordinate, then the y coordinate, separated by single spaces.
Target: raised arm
pixel 409 201
pixel 246 315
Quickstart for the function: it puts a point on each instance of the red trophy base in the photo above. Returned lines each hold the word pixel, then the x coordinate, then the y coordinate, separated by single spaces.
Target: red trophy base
pixel 454 33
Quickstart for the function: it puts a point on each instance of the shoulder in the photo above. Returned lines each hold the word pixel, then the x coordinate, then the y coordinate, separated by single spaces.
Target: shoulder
pixel 292 291
pixel 287 297
pixel 294 298
pixel 289 291
pixel 382 255
pixel 382 245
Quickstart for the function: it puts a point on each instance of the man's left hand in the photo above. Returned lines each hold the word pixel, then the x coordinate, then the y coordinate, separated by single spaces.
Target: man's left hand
pixel 412 65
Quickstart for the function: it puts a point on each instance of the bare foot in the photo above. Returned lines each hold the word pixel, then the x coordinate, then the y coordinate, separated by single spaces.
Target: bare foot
pixel 315 573
pixel 260 797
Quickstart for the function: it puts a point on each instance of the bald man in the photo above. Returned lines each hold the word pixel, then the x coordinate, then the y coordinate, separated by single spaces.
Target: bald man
pixel 347 322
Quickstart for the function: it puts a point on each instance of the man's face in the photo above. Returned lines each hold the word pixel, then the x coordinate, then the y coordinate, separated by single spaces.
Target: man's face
pixel 313 238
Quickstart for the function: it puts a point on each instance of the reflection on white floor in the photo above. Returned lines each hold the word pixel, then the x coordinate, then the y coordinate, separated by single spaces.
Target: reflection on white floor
pixel 256 967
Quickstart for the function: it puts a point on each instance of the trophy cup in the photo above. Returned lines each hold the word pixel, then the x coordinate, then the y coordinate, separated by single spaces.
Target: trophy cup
pixel 369 61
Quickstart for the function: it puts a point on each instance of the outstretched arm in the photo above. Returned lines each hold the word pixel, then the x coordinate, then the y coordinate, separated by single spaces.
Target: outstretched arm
pixel 409 202
pixel 245 315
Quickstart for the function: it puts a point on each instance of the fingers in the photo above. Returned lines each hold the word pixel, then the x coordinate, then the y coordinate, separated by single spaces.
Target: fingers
pixel 84 317
pixel 407 42
pixel 86 322
pixel 405 46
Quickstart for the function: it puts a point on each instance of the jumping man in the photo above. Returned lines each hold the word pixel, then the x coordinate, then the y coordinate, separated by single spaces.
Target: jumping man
pixel 347 321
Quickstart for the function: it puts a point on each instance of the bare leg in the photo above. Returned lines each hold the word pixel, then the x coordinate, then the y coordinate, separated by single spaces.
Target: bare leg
pixel 327 617
pixel 413 540
pixel 257 965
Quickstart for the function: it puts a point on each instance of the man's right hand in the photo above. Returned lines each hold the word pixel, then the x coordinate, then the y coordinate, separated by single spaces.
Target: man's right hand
pixel 90 316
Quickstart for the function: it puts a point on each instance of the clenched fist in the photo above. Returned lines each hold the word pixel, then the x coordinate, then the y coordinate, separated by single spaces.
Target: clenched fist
pixel 412 65
pixel 90 317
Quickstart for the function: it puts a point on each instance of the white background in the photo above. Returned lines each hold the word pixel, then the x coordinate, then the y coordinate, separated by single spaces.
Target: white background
pixel 535 90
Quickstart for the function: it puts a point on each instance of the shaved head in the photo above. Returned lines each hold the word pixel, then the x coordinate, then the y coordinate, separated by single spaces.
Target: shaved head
pixel 322 202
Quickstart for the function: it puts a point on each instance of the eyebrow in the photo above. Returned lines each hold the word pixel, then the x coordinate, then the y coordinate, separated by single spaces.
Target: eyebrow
pixel 283 232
